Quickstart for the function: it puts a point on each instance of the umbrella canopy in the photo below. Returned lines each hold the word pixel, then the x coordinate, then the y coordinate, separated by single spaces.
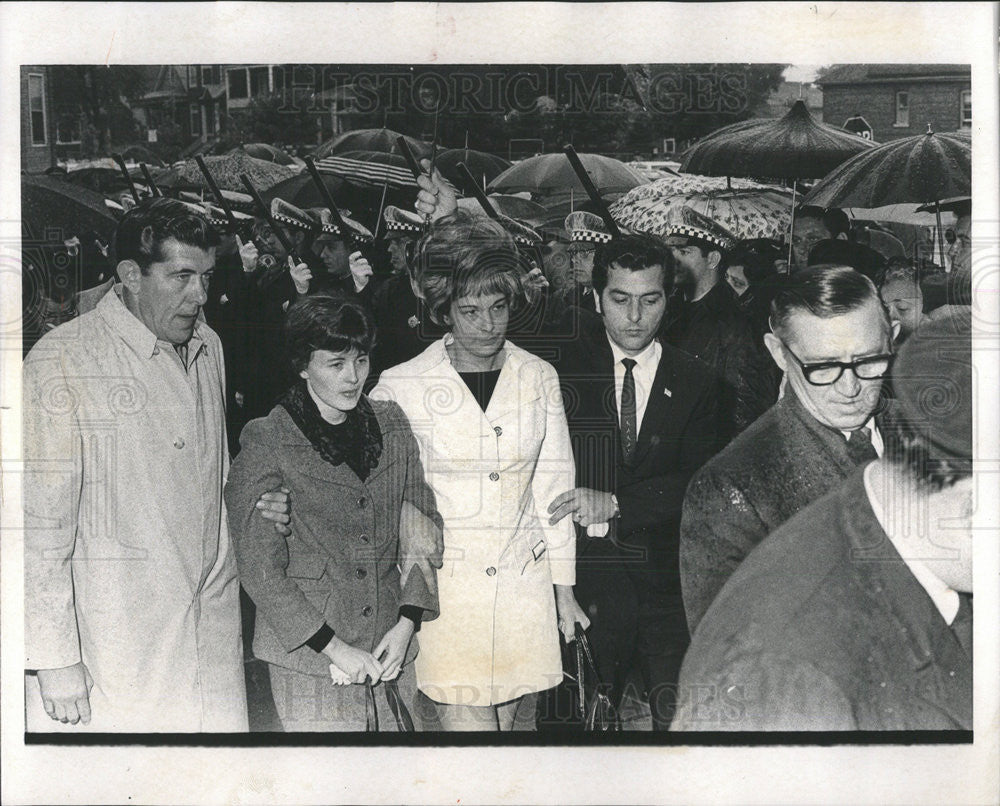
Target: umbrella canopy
pixel 899 214
pixel 106 181
pixel 925 168
pixel 551 173
pixel 690 183
pixel 137 153
pixel 383 140
pixel 375 168
pixel 512 206
pixel 226 170
pixel 268 153
pixel 53 209
pixel 748 214
pixel 795 146
pixel 483 167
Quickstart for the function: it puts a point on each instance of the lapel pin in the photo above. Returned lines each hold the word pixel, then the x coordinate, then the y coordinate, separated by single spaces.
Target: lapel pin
pixel 667 392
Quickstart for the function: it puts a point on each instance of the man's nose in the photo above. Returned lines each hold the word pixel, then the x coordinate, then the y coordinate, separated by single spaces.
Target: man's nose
pixel 199 290
pixel 634 311
pixel 848 383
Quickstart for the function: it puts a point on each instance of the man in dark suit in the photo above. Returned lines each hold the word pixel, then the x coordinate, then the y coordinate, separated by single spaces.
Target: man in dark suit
pixel 833 339
pixel 643 417
pixel 857 613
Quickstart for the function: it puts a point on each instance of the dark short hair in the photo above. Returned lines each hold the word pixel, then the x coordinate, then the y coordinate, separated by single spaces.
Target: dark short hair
pixel 463 254
pixel 144 229
pixel 635 253
pixel 326 322
pixel 834 219
pixel 823 291
pixel 757 258
pixel 907 446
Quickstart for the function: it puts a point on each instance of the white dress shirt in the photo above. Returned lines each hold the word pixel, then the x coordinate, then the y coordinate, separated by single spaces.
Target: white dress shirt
pixel 644 371
pixel 945 599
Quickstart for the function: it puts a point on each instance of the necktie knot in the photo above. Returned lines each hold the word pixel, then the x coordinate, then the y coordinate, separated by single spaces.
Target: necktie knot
pixel 860 447
pixel 629 364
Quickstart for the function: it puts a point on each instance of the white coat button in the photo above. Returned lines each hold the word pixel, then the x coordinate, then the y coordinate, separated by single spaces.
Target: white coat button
pixel 156 351
pixel 491 571
pixel 494 476
pixel 178 443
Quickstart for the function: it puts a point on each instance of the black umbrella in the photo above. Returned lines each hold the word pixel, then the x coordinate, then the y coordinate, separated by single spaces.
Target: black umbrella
pixel 137 153
pixel 795 146
pixel 383 140
pixel 924 169
pixel 483 167
pixel 54 210
pixel 268 153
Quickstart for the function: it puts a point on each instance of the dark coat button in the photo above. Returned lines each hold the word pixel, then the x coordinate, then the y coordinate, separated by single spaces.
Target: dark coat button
pixel 365 538
pixel 367 610
pixel 494 476
pixel 362 502
pixel 361 573
pixel 491 571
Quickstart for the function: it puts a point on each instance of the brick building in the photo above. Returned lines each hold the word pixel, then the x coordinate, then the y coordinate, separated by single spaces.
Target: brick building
pixel 898 100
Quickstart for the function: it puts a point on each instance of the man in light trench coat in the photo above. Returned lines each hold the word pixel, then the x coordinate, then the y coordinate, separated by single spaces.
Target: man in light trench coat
pixel 132 618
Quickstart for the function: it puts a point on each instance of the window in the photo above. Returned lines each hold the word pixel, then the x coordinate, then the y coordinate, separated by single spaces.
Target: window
pixel 902 109
pixel 210 75
pixel 258 81
pixel 238 84
pixel 36 108
pixel 195 120
pixel 192 76
pixel 966 121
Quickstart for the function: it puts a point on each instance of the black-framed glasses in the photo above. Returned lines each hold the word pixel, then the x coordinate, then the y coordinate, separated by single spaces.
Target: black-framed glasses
pixel 826 373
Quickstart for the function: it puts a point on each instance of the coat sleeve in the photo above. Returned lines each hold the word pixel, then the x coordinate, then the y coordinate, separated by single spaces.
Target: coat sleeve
pixel 555 473
pixel 719 527
pixel 655 500
pixel 53 481
pixel 262 555
pixel 762 691
pixel 421 535
pixel 752 372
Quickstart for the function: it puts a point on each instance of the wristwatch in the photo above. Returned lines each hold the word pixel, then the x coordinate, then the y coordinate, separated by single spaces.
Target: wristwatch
pixel 618 509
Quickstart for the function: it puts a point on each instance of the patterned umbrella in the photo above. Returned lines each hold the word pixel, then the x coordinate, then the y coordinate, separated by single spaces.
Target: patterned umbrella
pixel 752 213
pixel 926 168
pixel 268 153
pixel 689 183
pixel 483 167
pixel 383 140
pixel 226 170
pixel 792 147
pixel 550 173
pixel 374 168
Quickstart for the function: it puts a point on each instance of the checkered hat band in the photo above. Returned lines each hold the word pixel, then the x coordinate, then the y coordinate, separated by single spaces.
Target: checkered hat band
pixel 284 219
pixel 590 236
pixel 399 226
pixel 684 230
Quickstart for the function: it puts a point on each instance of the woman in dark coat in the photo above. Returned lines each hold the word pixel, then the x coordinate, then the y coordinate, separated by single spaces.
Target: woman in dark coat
pixel 339 600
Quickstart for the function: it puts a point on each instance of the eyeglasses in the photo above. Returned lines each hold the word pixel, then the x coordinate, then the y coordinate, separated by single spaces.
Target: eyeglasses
pixel 826 373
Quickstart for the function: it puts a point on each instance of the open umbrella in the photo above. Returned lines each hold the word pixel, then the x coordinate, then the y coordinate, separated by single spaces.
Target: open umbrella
pixel 52 209
pixel 551 173
pixel 689 183
pixel 375 168
pixel 268 153
pixel 795 146
pixel 383 140
pixel 748 214
pixel 226 170
pixel 924 169
pixel 512 206
pixel 483 167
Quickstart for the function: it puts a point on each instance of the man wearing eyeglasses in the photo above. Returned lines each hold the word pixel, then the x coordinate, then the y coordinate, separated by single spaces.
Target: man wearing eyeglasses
pixel 833 340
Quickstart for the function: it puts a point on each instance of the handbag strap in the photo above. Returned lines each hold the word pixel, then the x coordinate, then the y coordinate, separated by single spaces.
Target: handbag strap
pixel 371 711
pixel 404 722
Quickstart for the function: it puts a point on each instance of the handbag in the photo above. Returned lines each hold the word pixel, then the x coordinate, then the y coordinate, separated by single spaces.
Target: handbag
pixel 404 722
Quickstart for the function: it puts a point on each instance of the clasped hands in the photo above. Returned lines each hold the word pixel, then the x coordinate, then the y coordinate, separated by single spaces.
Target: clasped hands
pixel 586 506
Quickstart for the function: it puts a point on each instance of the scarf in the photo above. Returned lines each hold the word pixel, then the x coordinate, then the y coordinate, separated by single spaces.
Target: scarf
pixel 356 442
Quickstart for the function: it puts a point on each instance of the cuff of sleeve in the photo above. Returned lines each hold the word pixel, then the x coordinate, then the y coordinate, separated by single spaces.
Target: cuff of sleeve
pixel 413 613
pixel 597 530
pixel 320 638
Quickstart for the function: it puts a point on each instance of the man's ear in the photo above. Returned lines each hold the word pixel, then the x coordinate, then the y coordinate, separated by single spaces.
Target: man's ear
pixel 130 274
pixel 773 344
pixel 714 258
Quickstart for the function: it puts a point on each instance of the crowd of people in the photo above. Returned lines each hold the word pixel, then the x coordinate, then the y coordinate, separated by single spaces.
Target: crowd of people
pixel 744 472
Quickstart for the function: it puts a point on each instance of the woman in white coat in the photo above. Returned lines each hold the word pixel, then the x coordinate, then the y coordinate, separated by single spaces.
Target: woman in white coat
pixel 490 423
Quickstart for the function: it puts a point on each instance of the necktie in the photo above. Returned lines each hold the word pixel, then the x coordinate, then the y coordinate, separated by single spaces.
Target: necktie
pixel 628 421
pixel 860 448
pixel 962 625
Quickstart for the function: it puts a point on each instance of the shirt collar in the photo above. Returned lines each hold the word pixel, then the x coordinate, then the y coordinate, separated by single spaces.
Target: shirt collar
pixel 875 434
pixel 645 361
pixel 945 599
pixel 135 334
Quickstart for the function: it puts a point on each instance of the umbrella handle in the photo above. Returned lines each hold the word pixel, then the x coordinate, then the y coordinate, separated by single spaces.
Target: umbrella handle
pixel 215 191
pixel 325 194
pixel 149 180
pixel 481 197
pixel 588 185
pixel 411 161
pixel 121 164
pixel 265 213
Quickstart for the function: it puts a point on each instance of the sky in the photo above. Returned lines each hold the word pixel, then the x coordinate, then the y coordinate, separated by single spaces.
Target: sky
pixel 801 72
